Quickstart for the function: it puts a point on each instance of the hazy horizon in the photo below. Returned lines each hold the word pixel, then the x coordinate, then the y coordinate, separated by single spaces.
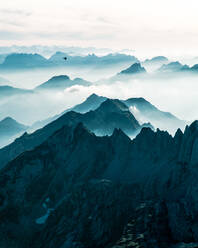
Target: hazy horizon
pixel 147 27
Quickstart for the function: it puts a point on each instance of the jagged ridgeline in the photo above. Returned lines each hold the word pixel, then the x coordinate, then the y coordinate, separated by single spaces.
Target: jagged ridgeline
pixel 64 187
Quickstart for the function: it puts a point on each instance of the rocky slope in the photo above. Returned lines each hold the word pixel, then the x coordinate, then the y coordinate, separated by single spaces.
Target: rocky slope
pixel 133 69
pixel 141 109
pixel 80 190
pixel 111 114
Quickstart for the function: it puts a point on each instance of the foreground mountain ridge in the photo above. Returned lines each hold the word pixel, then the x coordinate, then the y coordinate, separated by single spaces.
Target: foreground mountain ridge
pixel 83 190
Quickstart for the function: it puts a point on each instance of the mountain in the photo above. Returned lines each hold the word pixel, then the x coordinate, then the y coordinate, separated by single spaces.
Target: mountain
pixel 61 82
pixel 10 129
pixel 174 67
pixel 144 111
pixel 179 68
pixel 6 91
pixel 156 60
pixel 194 68
pixel 79 190
pixel 134 69
pixel 24 61
pixel 91 103
pixel 16 61
pixel 155 63
pixel 91 59
pixel 110 114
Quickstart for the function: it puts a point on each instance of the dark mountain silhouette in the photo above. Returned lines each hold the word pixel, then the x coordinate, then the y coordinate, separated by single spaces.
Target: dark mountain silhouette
pixel 110 114
pixel 133 69
pixel 79 190
pixel 61 82
pixel 143 111
pixel 91 103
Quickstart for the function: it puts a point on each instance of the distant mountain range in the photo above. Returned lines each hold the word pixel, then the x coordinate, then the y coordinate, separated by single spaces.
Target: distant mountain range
pixel 6 91
pixel 61 82
pixel 24 61
pixel 28 61
pixel 178 67
pixel 156 61
pixel 56 83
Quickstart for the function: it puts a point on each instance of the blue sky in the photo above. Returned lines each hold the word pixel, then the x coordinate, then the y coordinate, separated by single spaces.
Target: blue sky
pixel 134 24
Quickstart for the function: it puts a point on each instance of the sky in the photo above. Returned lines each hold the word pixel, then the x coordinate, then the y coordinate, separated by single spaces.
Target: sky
pixel 160 26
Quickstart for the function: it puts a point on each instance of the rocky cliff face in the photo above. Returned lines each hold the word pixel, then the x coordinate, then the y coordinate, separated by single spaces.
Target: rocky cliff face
pixel 111 114
pixel 80 190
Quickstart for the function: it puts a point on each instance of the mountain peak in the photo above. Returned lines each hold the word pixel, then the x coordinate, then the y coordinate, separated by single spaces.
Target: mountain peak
pixel 134 68
pixel 60 77
pixel 113 105
pixel 92 96
pixel 9 121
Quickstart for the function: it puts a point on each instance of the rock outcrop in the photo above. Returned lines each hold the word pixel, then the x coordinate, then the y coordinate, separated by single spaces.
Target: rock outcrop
pixel 80 190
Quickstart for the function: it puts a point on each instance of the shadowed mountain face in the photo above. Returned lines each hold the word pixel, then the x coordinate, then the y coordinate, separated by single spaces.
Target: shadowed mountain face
pixel 111 114
pixel 9 128
pixel 61 82
pixel 144 111
pixel 80 190
pixel 133 69
pixel 141 109
pixel 91 103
